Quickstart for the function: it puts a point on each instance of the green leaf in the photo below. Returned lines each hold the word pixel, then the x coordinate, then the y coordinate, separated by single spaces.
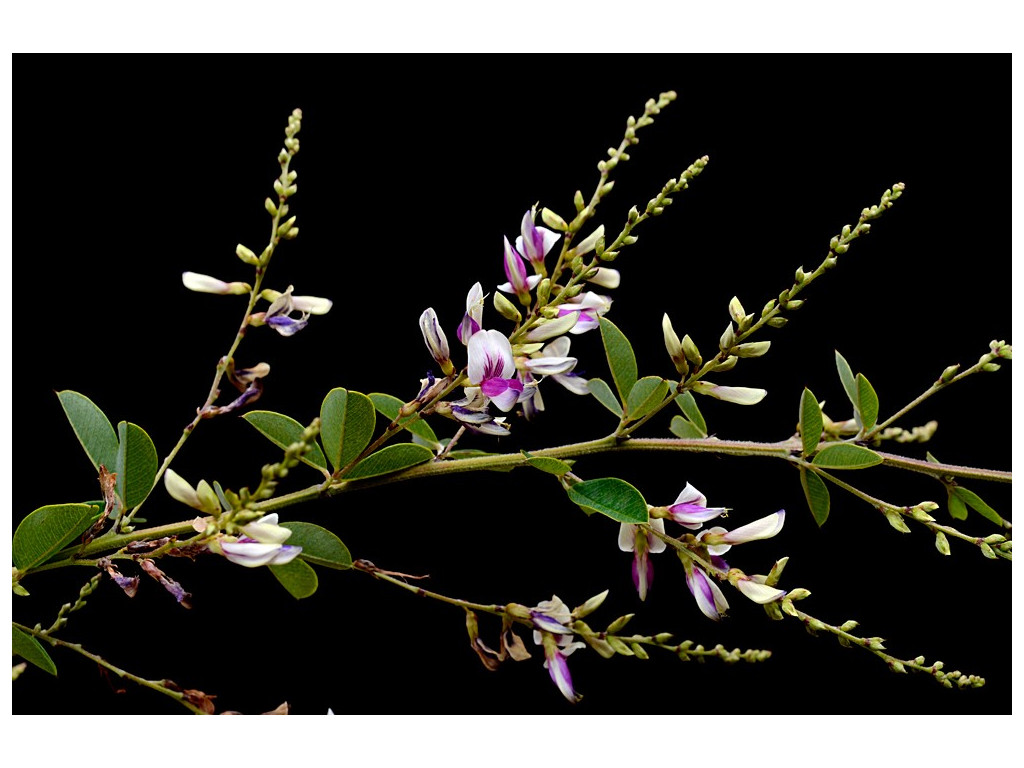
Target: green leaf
pixel 319 545
pixel 390 459
pixel 92 428
pixel 621 359
pixel 612 497
pixel 555 467
pixel 688 404
pixel 810 421
pixel 31 651
pixel 816 494
pixel 599 388
pixel 297 577
pixel 975 502
pixel 846 456
pixel 680 427
pixel 957 508
pixel 282 431
pixel 346 426
pixel 136 465
pixel 849 384
pixel 48 530
pixel 646 395
pixel 867 402
pixel 390 406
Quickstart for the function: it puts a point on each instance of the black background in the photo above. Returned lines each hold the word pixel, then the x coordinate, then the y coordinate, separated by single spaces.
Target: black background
pixel 132 170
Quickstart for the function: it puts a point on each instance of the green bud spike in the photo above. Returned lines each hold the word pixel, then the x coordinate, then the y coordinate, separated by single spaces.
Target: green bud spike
pixel 798 594
pixel 663 637
pixel 269 205
pixel 949 373
pixel 618 646
pixel 590 605
pixel 619 623
pixel 283 229
pixel 633 215
pixel 278 187
pixel 800 275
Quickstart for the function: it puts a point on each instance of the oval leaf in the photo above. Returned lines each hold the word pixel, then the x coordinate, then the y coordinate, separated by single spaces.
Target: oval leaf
pixel 390 459
pixel 48 530
pixel 297 577
pixel 975 502
pixel 957 509
pixel 621 359
pixel 680 427
pixel 612 497
pixel 31 651
pixel 136 465
pixel 816 494
pixel 688 404
pixel 282 431
pixel 92 428
pixel 390 406
pixel 319 546
pixel 849 384
pixel 646 395
pixel 810 421
pixel 346 426
pixel 555 467
pixel 867 402
pixel 846 456
pixel 599 388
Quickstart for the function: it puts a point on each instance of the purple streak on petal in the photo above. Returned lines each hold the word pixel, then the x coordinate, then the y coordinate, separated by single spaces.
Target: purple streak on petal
pixel 697 582
pixel 467 328
pixel 287 326
pixel 515 269
pixel 693 515
pixel 548 624
pixel 719 563
pixel 558 668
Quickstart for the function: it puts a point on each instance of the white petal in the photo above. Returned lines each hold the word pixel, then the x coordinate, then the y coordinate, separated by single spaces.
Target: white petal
pixel 627 537
pixel 759 593
pixel 549 366
pixel 557 348
pixel 314 305
pixel 250 554
pixel 606 278
pixel 690 495
pixel 204 283
pixel 654 544
pixel 551 328
pixel 764 528
pixel 575 384
pixel 590 242
pixel 484 349
pixel 180 490
pixel 739 395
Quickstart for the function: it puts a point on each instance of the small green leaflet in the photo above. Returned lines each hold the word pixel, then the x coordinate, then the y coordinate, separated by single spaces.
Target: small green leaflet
pixel 347 420
pixel 957 509
pixel 599 388
pixel 849 384
pixel 612 497
pixel 92 428
pixel 846 456
pixel 297 577
pixel 282 431
pixel 975 502
pixel 867 402
pixel 49 529
pixel 621 359
pixel 816 493
pixel 646 395
pixel 390 406
pixel 680 427
pixel 555 467
pixel 319 545
pixel 688 404
pixel 391 459
pixel 810 421
pixel 136 466
pixel 31 651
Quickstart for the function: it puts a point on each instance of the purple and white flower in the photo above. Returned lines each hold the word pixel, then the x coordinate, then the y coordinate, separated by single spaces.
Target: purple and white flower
pixel 279 314
pixel 436 341
pixel 590 307
pixel 706 592
pixel 719 540
pixel 471 321
pixel 261 544
pixel 691 510
pixel 549 620
pixel 195 281
pixel 535 242
pixel 492 368
pixel 515 270
pixel 633 538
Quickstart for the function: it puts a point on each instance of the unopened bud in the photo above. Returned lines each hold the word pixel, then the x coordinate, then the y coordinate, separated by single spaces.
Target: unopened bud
pixel 949 373
pixel 736 310
pixel 291 234
pixel 577 200
pixel 553 220
pixel 800 276
pixel 506 308
pixel 638 651
pixel 849 626
pixel 619 623
pixel 246 255
pixel 691 351
pixel 842 248
pixel 269 205
pixel 777 322
pixel 991 367
pixel 728 339
pixel 896 521
pixel 728 364
pixel 794 304
pixel 633 215
pixel 789 608
pixel 776 572
pixel 287 225
pixel 663 637
pixel 672 344
pixel 590 605
pixel 618 646
pixel 798 594
pixel 751 349
pixel 941 542
pixel 987 551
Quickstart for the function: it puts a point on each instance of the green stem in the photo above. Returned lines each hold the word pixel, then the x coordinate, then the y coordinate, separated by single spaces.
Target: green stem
pixel 377 573
pixel 155 685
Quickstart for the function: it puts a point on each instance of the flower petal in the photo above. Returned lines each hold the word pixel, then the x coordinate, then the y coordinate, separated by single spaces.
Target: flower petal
pixel 759 593
pixel 764 528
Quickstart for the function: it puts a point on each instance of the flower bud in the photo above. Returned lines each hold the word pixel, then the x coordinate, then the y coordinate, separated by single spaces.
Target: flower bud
pixel 283 229
pixel 896 521
pixel 663 637
pixel 590 605
pixel 619 623
pixel 800 276
pixel 941 542
pixel 849 626
pixel 672 345
pixel 590 242
pixel 206 284
pixel 728 339
pixel 691 351
pixel 577 200
pixel 949 373
pixel 751 349
pixel 778 322
pixel 553 220
pixel 638 651
pixel 991 367
pixel 736 310
pixel 987 551
pixel 728 364
pixel 506 308
pixel 269 205
pixel 798 594
pixel 246 255
pixel 618 646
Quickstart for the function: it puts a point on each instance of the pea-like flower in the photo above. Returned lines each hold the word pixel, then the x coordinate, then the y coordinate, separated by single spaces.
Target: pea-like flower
pixel 436 341
pixel 492 368
pixel 195 281
pixel 590 306
pixel 706 592
pixel 261 544
pixel 535 242
pixel 203 497
pixel 719 540
pixel 738 395
pixel 550 619
pixel 633 538
pixel 471 321
pixel 515 270
pixel 691 509
pixel 279 314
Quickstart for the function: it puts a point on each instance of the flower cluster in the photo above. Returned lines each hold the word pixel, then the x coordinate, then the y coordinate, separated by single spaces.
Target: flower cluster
pixel 508 374
pixel 691 511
